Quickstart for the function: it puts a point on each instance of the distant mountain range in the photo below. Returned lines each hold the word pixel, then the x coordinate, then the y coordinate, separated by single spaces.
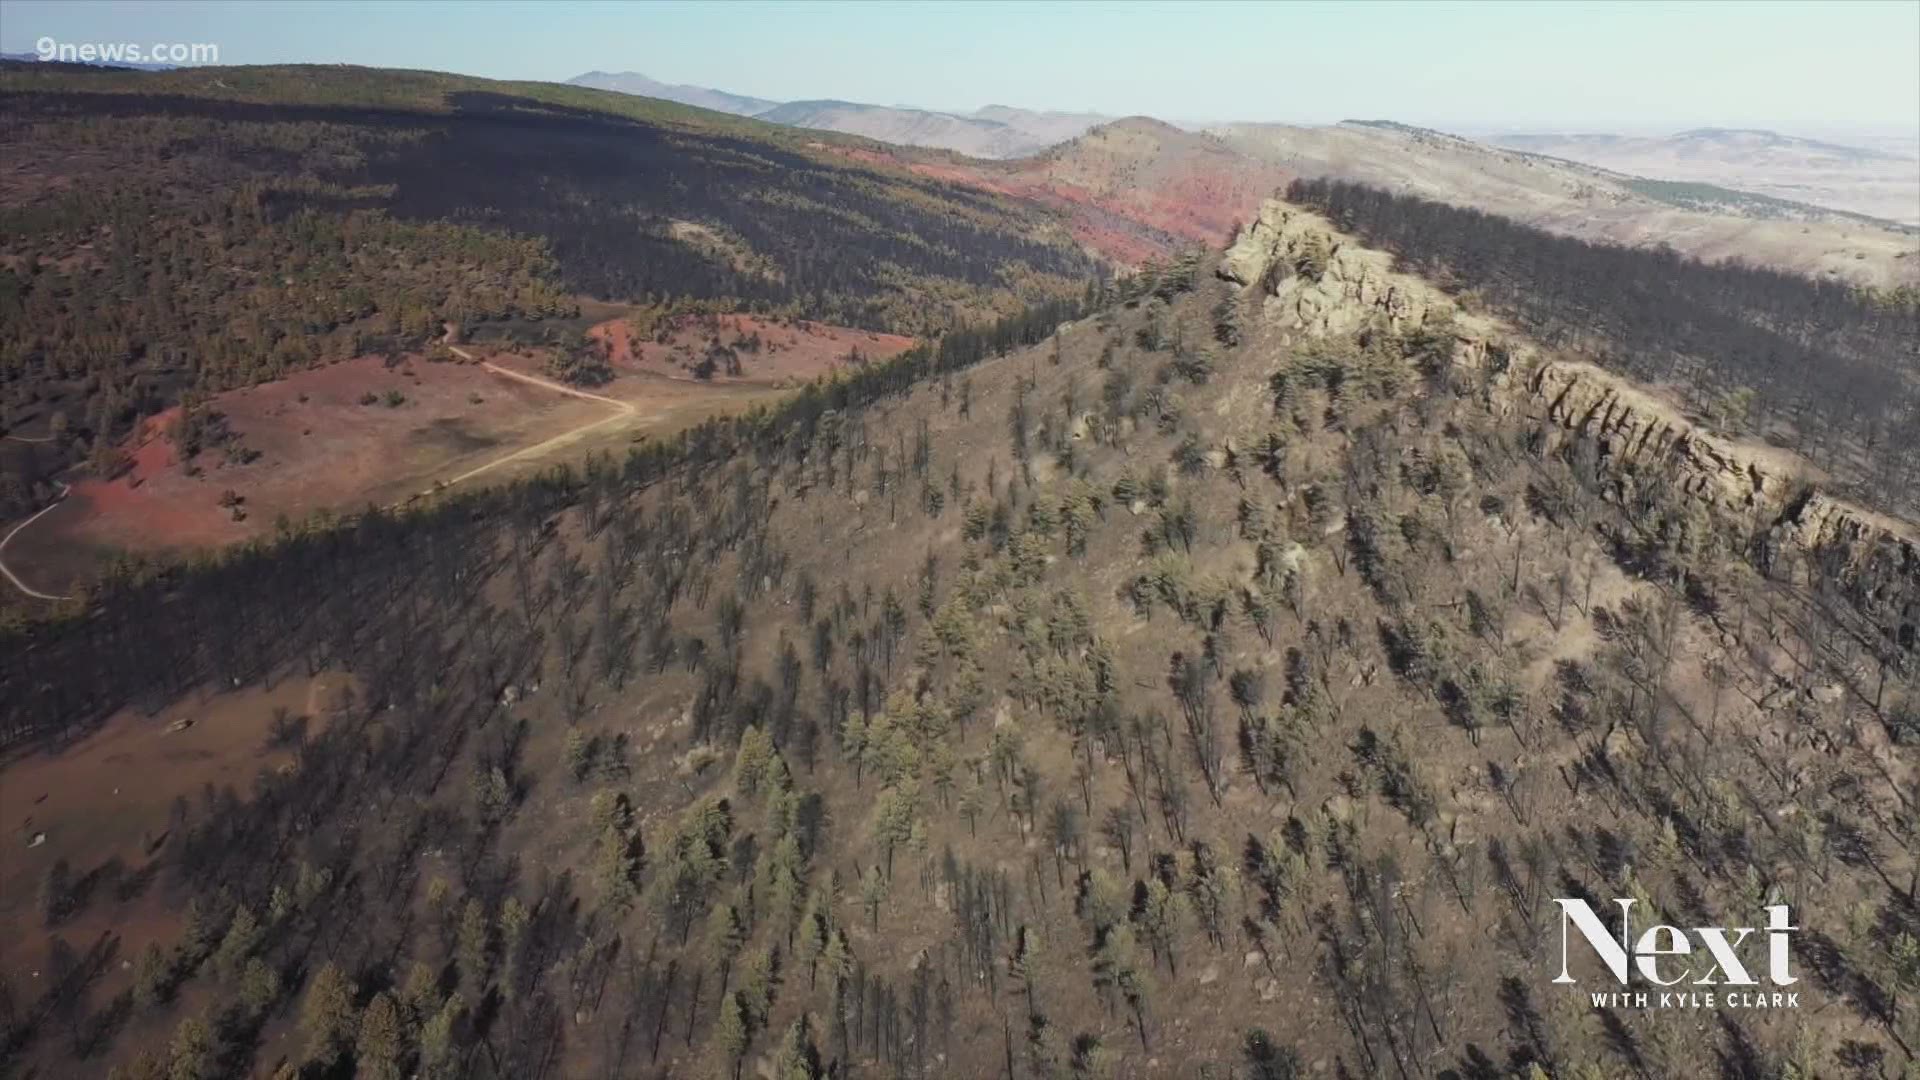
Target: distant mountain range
pixel 994 132
pixel 34 58
pixel 1882 181
pixel 1710 144
pixel 1745 171
pixel 632 82
pixel 1630 206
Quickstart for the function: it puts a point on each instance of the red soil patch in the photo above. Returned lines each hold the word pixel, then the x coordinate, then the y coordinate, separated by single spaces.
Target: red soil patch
pixel 1181 202
pixel 1131 191
pixel 969 176
pixel 861 154
pixel 788 352
pixel 319 447
pixel 111 796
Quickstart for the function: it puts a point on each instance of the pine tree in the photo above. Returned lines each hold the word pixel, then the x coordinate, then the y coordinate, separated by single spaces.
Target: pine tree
pixel 873 894
pixel 610 810
pixel 837 958
pixel 470 951
pixel 761 984
pixel 732 1031
pixel 381 1044
pixel 327 1016
pixel 1022 962
pixel 753 761
pixel 243 936
pixel 798 1057
pixel 438 1054
pixel 152 978
pixel 1226 321
pixel 618 870
pixel 190 1055
pixel 578 751
pixel 419 995
pixel 259 987
pixel 1266 1061
pixel 726 936
pixel 514 918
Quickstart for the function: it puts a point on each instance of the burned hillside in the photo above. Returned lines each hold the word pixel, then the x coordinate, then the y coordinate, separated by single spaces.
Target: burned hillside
pixel 1222 681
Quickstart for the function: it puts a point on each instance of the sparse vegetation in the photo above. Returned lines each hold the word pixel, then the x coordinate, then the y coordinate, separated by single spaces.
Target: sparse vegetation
pixel 1236 719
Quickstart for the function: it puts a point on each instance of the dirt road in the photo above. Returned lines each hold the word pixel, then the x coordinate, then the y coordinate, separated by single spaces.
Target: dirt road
pixel 15 531
pixel 622 410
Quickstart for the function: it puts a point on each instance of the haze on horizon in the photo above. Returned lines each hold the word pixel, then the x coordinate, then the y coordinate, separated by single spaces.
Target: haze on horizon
pixel 1636 68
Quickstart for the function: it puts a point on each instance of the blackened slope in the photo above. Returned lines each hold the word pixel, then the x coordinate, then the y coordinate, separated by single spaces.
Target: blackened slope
pixel 842 241
pixel 1825 366
pixel 190 231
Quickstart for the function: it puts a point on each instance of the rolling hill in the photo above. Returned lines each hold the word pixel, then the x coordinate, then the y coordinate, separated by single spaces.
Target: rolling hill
pixel 1133 190
pixel 1812 207
pixel 1139 188
pixel 294 216
pixel 1591 203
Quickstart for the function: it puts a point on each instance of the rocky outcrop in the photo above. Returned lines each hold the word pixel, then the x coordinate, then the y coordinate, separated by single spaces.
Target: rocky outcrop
pixel 1874 559
pixel 1632 427
pixel 1318 281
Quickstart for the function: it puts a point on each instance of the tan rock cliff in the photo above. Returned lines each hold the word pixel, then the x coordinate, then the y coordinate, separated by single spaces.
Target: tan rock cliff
pixel 1319 281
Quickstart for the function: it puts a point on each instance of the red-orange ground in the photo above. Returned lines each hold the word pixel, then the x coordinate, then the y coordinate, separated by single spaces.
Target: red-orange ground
pixel 320 446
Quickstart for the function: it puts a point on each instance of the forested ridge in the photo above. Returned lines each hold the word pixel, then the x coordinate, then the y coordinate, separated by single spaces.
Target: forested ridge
pixel 1175 694
pixel 167 237
pixel 1821 366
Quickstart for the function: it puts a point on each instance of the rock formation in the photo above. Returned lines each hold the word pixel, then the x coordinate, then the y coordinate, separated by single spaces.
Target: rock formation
pixel 1874 558
pixel 1633 427
pixel 1319 281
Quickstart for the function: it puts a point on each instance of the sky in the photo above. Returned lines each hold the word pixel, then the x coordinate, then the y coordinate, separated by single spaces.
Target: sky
pixel 1806 68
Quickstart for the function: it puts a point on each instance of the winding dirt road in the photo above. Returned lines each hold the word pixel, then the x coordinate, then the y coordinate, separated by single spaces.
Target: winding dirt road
pixel 622 410
pixel 15 531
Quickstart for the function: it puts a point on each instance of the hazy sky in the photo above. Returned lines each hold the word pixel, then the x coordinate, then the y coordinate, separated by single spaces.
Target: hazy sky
pixel 1810 68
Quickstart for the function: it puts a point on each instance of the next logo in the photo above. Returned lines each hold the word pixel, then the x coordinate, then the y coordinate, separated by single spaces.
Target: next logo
pixel 1664 945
